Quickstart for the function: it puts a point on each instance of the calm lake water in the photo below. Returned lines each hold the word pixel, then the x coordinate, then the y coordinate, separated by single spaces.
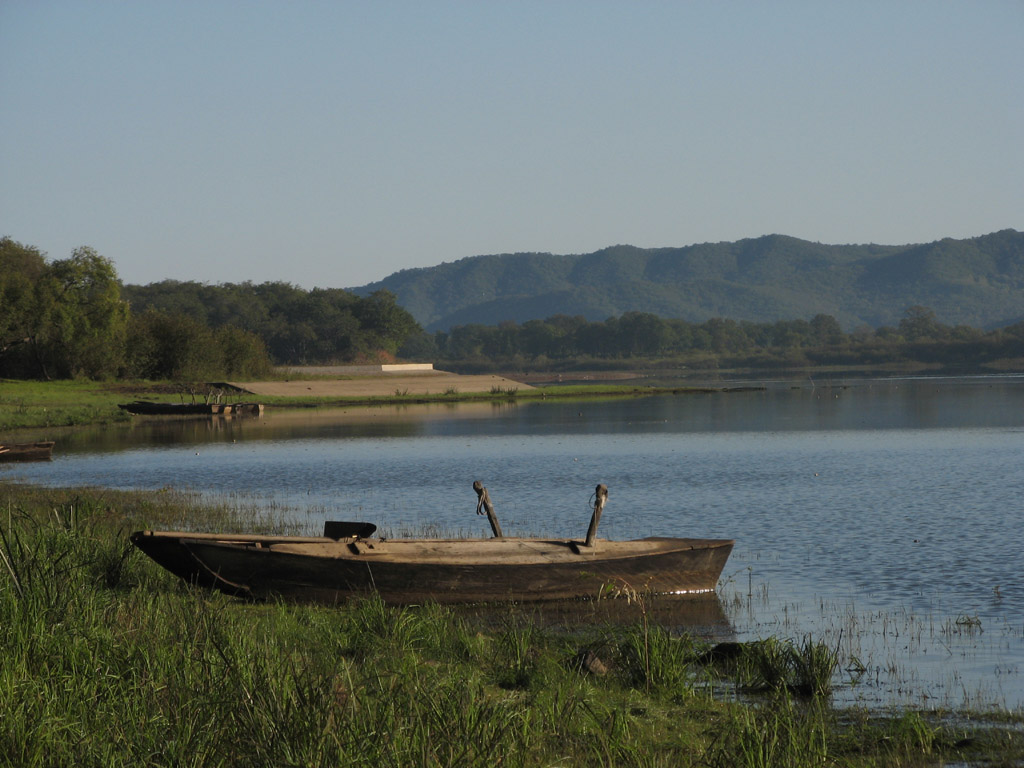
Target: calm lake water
pixel 884 516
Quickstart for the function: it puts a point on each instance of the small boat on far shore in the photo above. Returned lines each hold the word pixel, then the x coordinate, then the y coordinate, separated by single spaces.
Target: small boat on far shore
pixel 148 408
pixel 39 451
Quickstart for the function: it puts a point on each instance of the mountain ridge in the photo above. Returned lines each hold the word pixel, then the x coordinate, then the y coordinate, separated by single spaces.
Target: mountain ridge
pixel 975 281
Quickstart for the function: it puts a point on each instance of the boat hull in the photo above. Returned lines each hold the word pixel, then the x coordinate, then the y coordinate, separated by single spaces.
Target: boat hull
pixel 146 408
pixel 41 451
pixel 444 571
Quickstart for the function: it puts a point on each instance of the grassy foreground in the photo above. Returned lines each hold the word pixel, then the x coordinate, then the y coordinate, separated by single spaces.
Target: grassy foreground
pixel 110 661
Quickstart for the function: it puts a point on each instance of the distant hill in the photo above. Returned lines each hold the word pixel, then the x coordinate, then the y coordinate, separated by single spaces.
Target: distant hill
pixel 977 282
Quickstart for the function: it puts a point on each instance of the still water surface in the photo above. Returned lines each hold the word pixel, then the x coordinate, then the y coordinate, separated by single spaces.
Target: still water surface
pixel 883 516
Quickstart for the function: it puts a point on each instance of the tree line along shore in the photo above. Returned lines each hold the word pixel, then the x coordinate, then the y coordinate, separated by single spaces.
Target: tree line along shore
pixel 74 319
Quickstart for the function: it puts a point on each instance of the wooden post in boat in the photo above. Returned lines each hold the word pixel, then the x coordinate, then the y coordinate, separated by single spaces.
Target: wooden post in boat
pixel 484 501
pixel 600 497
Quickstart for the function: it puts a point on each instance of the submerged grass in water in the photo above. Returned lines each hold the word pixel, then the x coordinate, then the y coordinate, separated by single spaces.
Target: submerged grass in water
pixel 887 657
pixel 109 660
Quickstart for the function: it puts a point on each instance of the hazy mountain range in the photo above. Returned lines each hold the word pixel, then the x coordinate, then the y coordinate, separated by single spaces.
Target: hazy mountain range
pixel 977 282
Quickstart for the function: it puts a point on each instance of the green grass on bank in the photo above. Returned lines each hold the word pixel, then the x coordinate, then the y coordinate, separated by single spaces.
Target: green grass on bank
pixel 34 404
pixel 108 660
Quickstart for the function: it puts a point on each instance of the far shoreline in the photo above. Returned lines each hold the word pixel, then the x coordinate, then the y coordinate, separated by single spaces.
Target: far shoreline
pixel 39 410
pixel 35 410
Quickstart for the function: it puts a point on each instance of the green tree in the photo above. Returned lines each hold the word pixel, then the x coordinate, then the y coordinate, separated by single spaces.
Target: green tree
pixel 387 324
pixel 726 335
pixel 82 320
pixel 538 338
pixel 21 269
pixel 466 342
pixel 170 345
pixel 826 330
pixel 504 342
pixel 242 353
pixel 421 347
pixel 597 339
pixel 163 345
pixel 324 325
pixel 642 334
pixel 920 324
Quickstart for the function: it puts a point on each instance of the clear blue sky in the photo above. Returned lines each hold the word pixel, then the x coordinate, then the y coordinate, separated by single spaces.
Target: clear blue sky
pixel 333 143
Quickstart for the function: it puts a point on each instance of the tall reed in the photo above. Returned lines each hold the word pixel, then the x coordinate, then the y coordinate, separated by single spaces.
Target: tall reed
pixel 806 669
pixel 778 734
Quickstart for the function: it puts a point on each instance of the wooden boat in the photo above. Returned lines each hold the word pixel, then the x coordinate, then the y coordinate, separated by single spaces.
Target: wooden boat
pixel 148 408
pixel 329 569
pixel 41 451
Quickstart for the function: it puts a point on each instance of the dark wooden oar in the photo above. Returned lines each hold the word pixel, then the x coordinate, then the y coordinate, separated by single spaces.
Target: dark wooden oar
pixel 484 502
pixel 600 497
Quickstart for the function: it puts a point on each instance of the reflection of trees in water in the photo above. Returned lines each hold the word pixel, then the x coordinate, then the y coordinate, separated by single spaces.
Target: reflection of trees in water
pixel 808 404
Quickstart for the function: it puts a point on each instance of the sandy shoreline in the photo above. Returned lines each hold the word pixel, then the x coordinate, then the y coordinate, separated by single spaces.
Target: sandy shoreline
pixel 380 385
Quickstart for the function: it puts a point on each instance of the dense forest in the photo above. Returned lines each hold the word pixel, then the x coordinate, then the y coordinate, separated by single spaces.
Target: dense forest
pixel 566 343
pixel 977 282
pixel 72 318
pixel 299 327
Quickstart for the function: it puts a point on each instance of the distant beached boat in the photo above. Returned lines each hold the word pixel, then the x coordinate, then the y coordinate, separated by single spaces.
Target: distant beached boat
pixel 40 451
pixel 145 407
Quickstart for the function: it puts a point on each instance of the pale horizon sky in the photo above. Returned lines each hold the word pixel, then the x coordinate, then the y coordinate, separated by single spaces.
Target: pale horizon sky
pixel 331 144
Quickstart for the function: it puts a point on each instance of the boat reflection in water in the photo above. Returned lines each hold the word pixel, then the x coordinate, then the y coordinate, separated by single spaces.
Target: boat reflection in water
pixel 702 615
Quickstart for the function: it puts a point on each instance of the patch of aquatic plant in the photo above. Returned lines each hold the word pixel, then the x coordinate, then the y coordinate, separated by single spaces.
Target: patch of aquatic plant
pixel 962 625
pixel 814 667
pixel 893 655
pixel 247 512
pixel 911 733
pixel 805 669
pixel 509 391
